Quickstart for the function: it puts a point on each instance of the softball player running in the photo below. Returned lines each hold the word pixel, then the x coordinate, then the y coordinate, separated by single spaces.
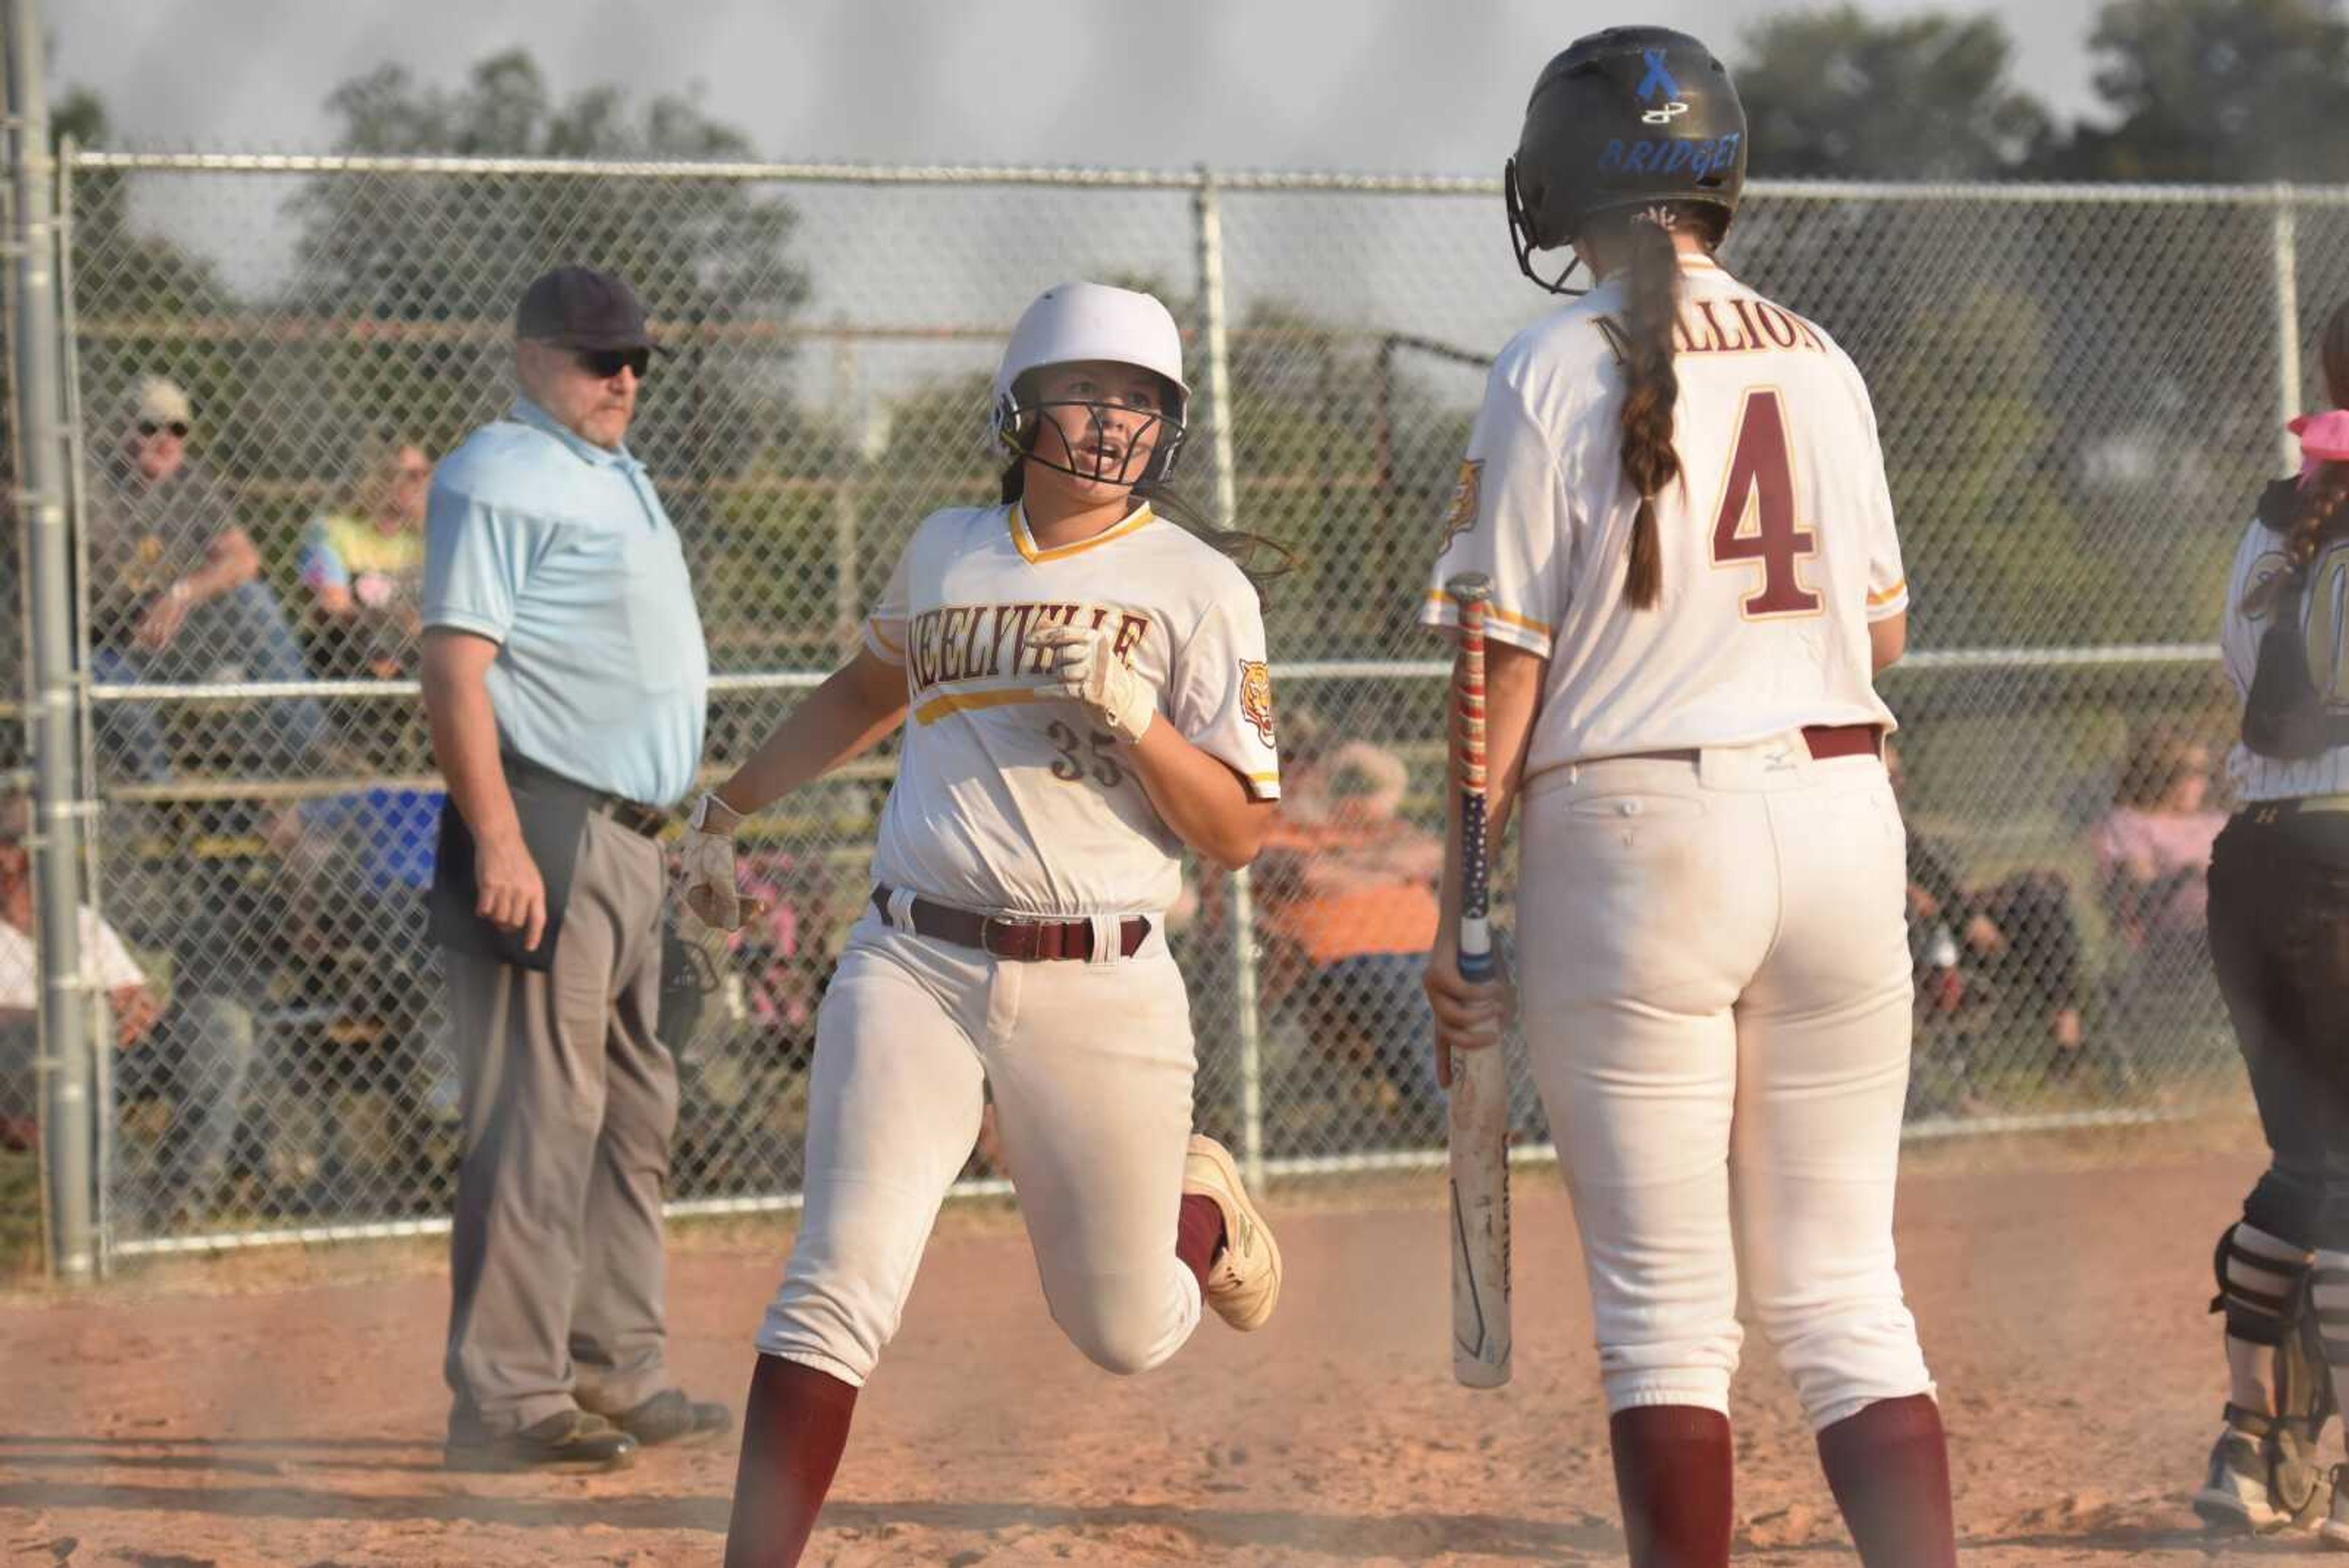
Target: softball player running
pixel 1675 488
pixel 2280 943
pixel 1088 695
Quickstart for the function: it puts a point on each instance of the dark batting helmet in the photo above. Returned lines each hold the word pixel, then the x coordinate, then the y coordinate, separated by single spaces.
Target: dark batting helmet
pixel 1629 118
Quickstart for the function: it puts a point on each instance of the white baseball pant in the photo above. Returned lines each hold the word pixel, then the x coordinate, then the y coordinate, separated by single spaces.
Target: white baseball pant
pixel 1091 1067
pixel 1716 1001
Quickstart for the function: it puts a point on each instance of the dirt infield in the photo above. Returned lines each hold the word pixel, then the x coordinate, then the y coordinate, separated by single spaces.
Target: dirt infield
pixel 286 1410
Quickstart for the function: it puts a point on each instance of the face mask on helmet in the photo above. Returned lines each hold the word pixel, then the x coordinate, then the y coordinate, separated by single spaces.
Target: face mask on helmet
pixel 1098 432
pixel 1522 240
pixel 1099 423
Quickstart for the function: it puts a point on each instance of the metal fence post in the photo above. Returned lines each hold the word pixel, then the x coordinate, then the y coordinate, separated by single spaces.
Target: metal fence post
pixel 93 847
pixel 1215 385
pixel 847 596
pixel 2285 232
pixel 66 1120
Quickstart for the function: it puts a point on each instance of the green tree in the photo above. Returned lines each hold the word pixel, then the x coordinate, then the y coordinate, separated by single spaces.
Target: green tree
pixel 130 270
pixel 418 274
pixel 1978 477
pixel 2215 90
pixel 400 316
pixel 1837 93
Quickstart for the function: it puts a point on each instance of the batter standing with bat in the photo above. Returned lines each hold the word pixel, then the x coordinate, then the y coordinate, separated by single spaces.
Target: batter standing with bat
pixel 1083 689
pixel 1675 489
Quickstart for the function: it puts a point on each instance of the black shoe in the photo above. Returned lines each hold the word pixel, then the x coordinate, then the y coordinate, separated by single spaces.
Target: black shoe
pixel 568 1439
pixel 668 1415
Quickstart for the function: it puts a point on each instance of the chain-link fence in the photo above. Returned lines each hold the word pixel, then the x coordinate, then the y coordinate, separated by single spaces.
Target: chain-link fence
pixel 2079 390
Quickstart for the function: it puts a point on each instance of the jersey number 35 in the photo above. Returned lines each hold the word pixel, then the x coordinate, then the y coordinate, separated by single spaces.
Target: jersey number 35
pixel 1080 755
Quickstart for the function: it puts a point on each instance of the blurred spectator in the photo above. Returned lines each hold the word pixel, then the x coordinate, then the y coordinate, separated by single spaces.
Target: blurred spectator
pixel 2008 954
pixel 175 595
pixel 364 564
pixel 1348 889
pixel 2153 859
pixel 232 955
pixel 748 1034
pixel 132 1005
pixel 2153 847
pixel 784 957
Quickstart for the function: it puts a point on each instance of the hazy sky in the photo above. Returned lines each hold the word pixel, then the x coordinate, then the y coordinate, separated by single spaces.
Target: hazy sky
pixel 1421 86
pixel 1393 86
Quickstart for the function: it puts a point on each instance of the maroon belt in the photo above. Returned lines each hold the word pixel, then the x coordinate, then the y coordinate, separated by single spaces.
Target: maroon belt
pixel 1827 740
pixel 1021 942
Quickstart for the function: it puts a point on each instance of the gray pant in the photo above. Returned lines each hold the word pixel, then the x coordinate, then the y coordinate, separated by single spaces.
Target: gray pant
pixel 569 1099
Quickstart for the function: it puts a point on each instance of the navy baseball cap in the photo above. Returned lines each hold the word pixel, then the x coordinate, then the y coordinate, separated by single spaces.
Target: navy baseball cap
pixel 579 308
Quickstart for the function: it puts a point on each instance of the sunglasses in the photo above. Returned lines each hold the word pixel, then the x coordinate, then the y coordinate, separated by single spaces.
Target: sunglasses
pixel 606 363
pixel 153 428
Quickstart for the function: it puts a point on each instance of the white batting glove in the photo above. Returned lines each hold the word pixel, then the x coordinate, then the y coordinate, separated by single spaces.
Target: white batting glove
pixel 1086 671
pixel 711 889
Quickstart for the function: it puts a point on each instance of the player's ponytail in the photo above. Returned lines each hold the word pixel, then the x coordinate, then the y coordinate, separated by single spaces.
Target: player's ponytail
pixel 1651 273
pixel 2316 515
pixel 2317 507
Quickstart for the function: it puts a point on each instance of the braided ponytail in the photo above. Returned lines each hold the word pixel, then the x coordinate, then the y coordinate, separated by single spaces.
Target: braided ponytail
pixel 2318 501
pixel 2318 506
pixel 1650 387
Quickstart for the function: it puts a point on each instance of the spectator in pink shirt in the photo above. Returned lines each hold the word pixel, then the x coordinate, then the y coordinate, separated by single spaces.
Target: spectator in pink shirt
pixel 2153 849
pixel 2153 857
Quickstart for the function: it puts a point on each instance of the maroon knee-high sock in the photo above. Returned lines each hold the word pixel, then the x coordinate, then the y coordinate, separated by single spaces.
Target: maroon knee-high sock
pixel 792 1438
pixel 1198 1234
pixel 1672 1471
pixel 1888 1467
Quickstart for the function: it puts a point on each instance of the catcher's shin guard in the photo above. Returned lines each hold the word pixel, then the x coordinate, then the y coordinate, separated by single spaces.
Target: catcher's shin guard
pixel 2267 1302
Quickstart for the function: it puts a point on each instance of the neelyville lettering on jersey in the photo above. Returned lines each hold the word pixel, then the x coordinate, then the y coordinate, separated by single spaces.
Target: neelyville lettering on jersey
pixel 1737 324
pixel 987 642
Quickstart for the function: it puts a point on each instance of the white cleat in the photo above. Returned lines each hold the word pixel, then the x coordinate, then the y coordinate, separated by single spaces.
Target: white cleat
pixel 1244 1281
pixel 2234 1497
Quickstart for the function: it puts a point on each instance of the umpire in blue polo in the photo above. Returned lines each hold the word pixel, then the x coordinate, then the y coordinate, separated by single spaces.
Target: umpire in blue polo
pixel 566 681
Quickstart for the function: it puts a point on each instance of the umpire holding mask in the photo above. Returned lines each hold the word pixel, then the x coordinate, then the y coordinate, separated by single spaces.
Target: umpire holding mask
pixel 566 680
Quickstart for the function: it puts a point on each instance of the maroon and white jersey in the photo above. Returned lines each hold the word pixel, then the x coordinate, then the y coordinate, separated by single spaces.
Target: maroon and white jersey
pixel 1008 797
pixel 1777 539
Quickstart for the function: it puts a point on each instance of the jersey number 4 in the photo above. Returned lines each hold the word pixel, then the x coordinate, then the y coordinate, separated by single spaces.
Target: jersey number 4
pixel 1756 521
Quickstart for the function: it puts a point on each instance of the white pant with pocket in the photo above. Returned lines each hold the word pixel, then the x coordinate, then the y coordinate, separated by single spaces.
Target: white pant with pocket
pixel 1715 991
pixel 1090 1064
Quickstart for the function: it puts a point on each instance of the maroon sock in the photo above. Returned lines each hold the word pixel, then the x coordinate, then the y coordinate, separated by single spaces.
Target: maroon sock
pixel 792 1438
pixel 1672 1471
pixel 1198 1234
pixel 1888 1468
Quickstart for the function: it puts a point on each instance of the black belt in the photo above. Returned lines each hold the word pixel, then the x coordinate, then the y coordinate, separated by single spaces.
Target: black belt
pixel 1022 941
pixel 650 821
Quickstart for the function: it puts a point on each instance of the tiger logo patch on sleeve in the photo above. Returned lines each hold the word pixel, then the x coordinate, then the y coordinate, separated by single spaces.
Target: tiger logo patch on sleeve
pixel 1256 696
pixel 1460 515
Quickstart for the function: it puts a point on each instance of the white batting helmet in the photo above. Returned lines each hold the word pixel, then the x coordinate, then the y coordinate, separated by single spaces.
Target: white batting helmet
pixel 1079 321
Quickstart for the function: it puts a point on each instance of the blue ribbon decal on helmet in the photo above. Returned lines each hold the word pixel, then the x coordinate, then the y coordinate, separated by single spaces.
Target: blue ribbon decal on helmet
pixel 1658 79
